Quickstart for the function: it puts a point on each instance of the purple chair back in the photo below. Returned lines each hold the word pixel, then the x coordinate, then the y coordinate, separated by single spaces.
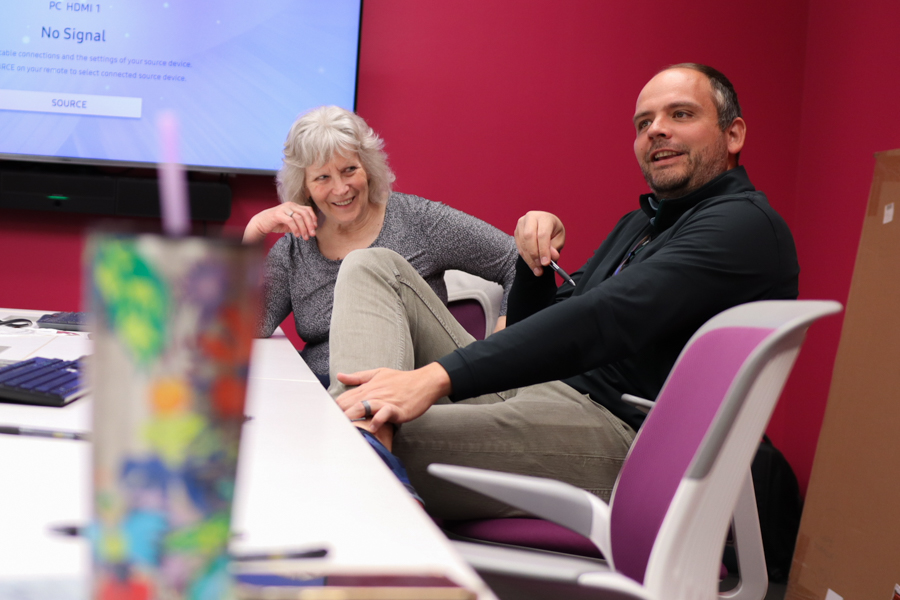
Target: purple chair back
pixel 470 314
pixel 670 438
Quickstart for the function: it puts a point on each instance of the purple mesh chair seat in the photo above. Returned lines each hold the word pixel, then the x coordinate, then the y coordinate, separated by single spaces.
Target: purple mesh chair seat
pixel 528 533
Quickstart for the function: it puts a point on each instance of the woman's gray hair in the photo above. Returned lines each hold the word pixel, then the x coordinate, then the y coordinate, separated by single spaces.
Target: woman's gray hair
pixel 317 137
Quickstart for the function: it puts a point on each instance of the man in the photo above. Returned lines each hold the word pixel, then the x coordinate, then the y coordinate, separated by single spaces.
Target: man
pixel 543 396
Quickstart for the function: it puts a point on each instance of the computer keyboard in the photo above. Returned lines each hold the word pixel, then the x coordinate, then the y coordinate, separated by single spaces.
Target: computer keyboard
pixel 67 321
pixel 43 381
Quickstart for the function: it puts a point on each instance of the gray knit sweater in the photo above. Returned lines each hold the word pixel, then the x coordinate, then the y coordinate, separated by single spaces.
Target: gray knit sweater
pixel 432 236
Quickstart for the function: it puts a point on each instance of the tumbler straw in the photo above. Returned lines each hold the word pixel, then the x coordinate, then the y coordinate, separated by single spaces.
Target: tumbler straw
pixel 173 186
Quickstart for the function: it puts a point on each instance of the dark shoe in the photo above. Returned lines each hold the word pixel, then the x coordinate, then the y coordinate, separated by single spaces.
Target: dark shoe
pixel 393 463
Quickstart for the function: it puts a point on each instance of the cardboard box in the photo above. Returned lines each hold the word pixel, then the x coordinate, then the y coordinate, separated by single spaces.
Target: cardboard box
pixel 849 542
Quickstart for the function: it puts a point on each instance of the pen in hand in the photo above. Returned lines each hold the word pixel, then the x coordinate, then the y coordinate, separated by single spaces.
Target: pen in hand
pixel 562 273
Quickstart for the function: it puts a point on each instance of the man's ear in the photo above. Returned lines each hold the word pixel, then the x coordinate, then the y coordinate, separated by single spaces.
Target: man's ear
pixel 734 136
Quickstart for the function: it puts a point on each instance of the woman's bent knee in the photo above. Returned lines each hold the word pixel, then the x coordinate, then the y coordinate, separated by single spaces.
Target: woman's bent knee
pixel 371 257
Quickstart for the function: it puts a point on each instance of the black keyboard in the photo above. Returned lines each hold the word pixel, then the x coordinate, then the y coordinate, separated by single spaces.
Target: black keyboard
pixel 43 381
pixel 66 321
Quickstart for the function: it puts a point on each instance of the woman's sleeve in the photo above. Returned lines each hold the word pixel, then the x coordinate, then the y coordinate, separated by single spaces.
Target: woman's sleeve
pixel 461 241
pixel 276 304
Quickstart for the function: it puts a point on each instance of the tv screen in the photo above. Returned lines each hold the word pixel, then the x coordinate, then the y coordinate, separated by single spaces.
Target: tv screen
pixel 84 82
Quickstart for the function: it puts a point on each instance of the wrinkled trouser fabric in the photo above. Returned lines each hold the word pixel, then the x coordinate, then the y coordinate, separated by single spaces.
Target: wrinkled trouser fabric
pixel 386 315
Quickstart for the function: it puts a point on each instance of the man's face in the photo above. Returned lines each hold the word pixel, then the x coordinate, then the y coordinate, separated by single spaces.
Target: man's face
pixel 679 145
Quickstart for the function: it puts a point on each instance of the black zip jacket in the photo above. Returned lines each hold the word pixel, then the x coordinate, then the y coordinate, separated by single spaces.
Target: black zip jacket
pixel 719 246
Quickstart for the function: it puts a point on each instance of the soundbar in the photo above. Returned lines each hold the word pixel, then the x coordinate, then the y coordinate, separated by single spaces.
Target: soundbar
pixel 106 195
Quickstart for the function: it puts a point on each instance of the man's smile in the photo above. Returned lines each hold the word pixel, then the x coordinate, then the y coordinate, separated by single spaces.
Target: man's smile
pixel 664 154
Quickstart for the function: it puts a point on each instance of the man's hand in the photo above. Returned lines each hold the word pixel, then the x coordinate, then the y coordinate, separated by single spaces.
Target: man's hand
pixel 394 396
pixel 289 217
pixel 539 237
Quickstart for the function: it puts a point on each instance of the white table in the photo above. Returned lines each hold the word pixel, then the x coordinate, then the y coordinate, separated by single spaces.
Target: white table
pixel 306 478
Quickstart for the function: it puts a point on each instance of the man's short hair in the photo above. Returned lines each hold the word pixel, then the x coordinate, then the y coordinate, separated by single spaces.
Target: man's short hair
pixel 724 96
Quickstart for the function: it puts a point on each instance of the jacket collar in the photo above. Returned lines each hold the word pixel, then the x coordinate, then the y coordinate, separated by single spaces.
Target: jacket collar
pixel 734 181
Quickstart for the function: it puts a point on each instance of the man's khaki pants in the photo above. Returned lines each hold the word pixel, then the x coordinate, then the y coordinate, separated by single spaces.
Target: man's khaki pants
pixel 386 315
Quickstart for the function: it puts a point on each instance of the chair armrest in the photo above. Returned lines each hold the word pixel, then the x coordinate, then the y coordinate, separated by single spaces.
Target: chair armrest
pixel 561 503
pixel 526 574
pixel 636 401
pixel 526 563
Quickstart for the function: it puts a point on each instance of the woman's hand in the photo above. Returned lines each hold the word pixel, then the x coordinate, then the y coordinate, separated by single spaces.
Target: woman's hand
pixel 289 217
pixel 393 396
pixel 539 238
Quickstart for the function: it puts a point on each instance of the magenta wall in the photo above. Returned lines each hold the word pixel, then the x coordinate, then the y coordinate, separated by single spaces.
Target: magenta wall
pixel 498 107
pixel 851 85
pixel 501 107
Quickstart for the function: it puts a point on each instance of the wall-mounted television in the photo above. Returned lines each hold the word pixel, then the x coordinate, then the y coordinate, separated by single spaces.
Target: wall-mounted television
pixel 84 82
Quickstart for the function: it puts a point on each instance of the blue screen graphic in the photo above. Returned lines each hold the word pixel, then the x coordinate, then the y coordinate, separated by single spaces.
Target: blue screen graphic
pixel 86 81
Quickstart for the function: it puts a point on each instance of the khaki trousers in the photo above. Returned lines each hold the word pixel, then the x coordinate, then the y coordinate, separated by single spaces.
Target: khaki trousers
pixel 386 315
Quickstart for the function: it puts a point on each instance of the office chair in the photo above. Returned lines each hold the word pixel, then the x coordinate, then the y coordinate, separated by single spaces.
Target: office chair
pixel 474 302
pixel 663 531
pixel 539 534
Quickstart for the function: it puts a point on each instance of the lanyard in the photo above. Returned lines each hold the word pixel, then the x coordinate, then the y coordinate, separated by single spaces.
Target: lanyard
pixel 630 256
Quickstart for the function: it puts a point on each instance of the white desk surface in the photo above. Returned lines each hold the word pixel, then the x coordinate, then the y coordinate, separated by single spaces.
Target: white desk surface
pixel 306 478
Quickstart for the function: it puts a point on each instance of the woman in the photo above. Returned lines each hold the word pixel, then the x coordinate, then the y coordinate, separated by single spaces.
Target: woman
pixel 335 189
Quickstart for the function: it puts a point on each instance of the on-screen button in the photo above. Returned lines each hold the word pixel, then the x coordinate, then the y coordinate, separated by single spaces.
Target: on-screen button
pixel 74 104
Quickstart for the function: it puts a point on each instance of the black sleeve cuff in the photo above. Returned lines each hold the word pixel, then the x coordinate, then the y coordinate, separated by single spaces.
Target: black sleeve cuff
pixel 529 293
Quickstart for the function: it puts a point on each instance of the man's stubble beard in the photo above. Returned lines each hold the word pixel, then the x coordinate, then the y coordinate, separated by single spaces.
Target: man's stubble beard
pixel 700 170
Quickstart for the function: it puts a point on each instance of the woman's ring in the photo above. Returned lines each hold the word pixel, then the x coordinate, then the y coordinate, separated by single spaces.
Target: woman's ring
pixel 368 409
pixel 290 213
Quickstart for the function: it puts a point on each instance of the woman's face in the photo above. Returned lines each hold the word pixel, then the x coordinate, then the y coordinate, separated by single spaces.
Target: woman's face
pixel 340 189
